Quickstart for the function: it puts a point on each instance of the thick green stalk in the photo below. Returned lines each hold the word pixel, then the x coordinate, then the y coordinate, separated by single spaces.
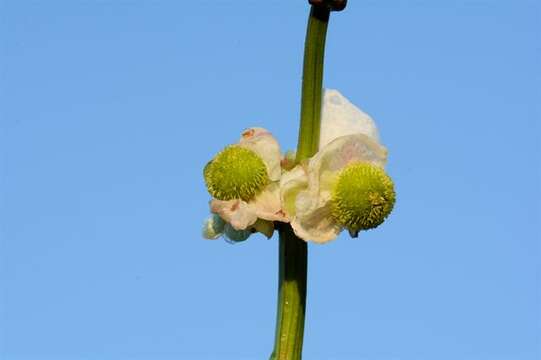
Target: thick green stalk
pixel 291 295
pixel 293 253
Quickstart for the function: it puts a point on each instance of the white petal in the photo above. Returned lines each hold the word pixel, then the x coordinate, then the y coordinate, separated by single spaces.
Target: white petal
pixel 267 205
pixel 315 224
pixel 265 145
pixel 309 212
pixel 291 183
pixel 342 151
pixel 236 212
pixel 340 117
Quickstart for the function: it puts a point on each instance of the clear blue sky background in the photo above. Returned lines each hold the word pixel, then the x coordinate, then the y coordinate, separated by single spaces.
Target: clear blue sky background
pixel 110 109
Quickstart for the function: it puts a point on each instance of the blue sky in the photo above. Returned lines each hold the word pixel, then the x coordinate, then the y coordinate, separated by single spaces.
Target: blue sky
pixel 110 109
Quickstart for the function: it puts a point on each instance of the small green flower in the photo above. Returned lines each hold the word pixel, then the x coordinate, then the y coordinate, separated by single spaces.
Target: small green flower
pixel 343 186
pixel 243 180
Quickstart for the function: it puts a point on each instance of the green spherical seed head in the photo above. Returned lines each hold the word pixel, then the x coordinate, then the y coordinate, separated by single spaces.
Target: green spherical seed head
pixel 362 197
pixel 236 173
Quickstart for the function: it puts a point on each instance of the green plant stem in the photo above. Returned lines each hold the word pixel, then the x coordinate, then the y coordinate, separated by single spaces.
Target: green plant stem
pixel 293 254
pixel 312 82
pixel 291 295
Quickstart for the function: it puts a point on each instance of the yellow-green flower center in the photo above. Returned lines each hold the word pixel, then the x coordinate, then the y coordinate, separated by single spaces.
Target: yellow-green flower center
pixel 362 197
pixel 236 173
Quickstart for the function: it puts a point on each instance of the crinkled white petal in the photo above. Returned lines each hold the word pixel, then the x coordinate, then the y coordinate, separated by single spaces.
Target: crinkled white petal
pixel 309 214
pixel 266 205
pixel 314 223
pixel 342 151
pixel 241 214
pixel 291 183
pixel 340 117
pixel 265 145
pixel 235 212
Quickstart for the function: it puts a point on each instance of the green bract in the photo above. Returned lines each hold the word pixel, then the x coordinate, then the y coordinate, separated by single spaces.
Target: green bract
pixel 236 173
pixel 362 197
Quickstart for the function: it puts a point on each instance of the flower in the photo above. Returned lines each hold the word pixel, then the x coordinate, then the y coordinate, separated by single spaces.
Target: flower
pixel 344 184
pixel 244 182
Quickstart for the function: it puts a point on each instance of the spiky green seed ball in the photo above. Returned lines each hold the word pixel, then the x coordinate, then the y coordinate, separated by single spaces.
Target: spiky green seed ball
pixel 362 197
pixel 236 173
